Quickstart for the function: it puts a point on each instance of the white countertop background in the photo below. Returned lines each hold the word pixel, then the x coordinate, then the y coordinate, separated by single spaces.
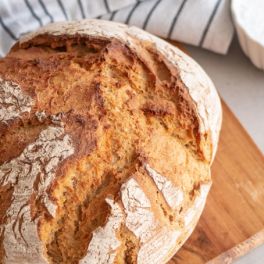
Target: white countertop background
pixel 241 85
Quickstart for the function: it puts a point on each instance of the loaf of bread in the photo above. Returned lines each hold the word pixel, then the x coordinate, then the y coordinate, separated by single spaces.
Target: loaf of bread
pixel 107 135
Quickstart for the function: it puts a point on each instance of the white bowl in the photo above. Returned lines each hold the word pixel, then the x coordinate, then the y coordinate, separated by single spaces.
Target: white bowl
pixel 248 18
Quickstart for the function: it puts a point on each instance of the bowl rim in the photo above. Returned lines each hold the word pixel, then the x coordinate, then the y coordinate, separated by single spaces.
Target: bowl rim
pixel 238 24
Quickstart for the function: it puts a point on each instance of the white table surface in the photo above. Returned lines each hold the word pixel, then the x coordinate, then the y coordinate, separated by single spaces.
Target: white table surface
pixel 241 85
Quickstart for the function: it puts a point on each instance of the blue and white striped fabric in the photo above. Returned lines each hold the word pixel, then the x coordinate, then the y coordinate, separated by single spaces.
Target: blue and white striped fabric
pixel 205 23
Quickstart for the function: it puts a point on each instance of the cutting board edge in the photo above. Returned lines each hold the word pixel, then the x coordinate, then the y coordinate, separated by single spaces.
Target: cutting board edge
pixel 239 250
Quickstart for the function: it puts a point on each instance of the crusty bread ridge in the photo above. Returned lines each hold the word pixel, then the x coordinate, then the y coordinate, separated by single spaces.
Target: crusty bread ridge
pixel 205 97
pixel 107 134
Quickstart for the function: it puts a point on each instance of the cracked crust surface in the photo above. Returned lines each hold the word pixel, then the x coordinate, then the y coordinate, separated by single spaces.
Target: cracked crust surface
pixel 198 84
pixel 13 101
pixel 107 134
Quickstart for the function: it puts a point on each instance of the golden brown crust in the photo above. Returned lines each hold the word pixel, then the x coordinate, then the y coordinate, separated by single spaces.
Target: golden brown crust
pixel 127 122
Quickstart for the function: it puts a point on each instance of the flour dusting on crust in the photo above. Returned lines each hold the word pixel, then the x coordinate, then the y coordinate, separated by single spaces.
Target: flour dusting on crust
pixel 156 249
pixel 104 243
pixel 140 219
pixel 172 194
pixel 198 204
pixel 39 159
pixel 13 102
pixel 155 238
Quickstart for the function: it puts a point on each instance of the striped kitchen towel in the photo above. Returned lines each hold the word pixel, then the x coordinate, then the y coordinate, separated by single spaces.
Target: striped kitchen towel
pixel 204 23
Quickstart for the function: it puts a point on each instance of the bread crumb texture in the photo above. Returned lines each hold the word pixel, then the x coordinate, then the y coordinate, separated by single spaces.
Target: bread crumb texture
pixel 102 158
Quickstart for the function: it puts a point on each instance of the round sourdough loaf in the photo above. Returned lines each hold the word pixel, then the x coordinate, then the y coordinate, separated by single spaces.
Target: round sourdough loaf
pixel 107 134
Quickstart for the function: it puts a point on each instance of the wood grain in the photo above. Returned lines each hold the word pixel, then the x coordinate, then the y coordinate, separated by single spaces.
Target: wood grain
pixel 234 210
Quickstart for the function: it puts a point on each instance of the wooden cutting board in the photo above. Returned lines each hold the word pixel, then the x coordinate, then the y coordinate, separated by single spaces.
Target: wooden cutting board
pixel 233 220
